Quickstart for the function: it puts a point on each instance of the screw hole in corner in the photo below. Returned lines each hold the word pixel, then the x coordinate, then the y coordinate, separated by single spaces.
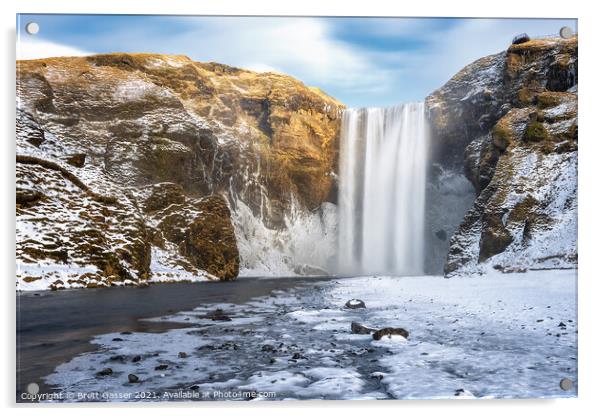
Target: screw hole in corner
pixel 32 28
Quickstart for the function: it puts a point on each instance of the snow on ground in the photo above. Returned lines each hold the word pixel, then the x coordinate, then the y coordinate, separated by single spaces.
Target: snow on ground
pixel 164 270
pixel 503 335
pixel 41 275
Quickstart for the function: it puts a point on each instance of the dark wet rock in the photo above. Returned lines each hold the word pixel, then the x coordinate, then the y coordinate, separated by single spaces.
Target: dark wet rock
pixel 509 269
pixel 105 372
pixel 117 358
pixel 463 393
pixel 133 378
pixel 355 304
pixel 358 328
pixel 136 359
pixel 441 235
pixel 521 38
pixel 268 348
pixel 388 332
pixel 117 339
pixel 227 346
pixel 218 315
pixel 298 356
pixel 182 354
pixel 161 367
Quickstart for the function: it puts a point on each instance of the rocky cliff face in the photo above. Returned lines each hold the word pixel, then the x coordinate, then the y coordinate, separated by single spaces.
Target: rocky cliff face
pixel 147 167
pixel 510 122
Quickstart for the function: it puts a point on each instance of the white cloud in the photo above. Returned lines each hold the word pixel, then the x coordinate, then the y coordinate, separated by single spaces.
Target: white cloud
pixel 28 48
pixel 301 47
pixel 312 50
pixel 305 48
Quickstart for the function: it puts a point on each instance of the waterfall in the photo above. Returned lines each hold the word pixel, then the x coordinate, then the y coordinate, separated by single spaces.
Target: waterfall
pixel 382 180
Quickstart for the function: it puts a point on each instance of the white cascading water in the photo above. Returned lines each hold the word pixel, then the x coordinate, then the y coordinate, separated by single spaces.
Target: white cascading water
pixel 382 178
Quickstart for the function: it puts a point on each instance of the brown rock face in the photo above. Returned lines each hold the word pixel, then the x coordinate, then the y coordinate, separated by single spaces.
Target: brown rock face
pixel 155 135
pixel 85 237
pixel 210 242
pixel 513 116
pixel 208 127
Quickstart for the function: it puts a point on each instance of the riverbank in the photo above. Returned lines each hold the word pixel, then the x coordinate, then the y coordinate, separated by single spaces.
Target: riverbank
pixel 495 336
pixel 54 326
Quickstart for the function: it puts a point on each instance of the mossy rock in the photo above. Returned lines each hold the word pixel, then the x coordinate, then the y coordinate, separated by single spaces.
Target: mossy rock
pixel 525 97
pixel 535 132
pixel 501 136
pixel 547 100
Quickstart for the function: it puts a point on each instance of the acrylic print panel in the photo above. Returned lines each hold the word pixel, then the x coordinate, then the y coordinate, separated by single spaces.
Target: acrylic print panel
pixel 344 208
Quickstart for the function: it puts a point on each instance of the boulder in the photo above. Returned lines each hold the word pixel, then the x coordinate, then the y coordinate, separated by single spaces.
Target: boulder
pixel 105 372
pixel 357 328
pixel 522 38
pixel 390 333
pixel 355 304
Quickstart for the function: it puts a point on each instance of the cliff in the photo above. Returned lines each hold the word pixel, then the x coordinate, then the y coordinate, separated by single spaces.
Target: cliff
pixel 130 167
pixel 509 121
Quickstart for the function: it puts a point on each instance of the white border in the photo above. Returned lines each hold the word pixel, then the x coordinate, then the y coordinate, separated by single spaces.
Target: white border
pixel 589 185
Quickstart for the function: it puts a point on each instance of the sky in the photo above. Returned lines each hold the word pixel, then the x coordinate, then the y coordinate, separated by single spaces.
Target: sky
pixel 361 61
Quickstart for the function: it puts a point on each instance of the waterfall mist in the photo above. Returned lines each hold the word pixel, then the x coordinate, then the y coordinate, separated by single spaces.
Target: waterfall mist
pixel 382 181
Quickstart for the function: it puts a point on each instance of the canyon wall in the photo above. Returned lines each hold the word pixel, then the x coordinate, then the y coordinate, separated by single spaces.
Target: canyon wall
pixel 509 122
pixel 135 168
pixel 138 167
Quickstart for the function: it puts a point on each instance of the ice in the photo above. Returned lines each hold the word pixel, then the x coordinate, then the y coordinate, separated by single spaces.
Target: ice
pixel 499 335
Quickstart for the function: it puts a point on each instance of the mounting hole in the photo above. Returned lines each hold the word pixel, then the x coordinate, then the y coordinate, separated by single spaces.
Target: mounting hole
pixel 566 32
pixel 33 388
pixel 566 384
pixel 32 28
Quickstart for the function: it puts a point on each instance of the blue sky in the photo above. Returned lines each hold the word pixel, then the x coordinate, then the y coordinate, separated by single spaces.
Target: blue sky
pixel 360 61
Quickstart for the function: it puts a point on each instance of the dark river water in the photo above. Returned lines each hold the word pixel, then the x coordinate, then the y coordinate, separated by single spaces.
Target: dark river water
pixel 53 326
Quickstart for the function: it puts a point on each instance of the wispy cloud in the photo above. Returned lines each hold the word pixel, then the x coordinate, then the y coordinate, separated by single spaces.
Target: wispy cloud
pixel 36 48
pixel 361 61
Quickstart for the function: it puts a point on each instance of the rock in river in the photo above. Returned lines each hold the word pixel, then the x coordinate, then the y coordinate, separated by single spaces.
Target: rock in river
pixel 390 333
pixel 357 328
pixel 355 304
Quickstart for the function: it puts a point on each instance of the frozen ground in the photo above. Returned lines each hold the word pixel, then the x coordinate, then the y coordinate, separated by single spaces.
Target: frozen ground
pixel 503 335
